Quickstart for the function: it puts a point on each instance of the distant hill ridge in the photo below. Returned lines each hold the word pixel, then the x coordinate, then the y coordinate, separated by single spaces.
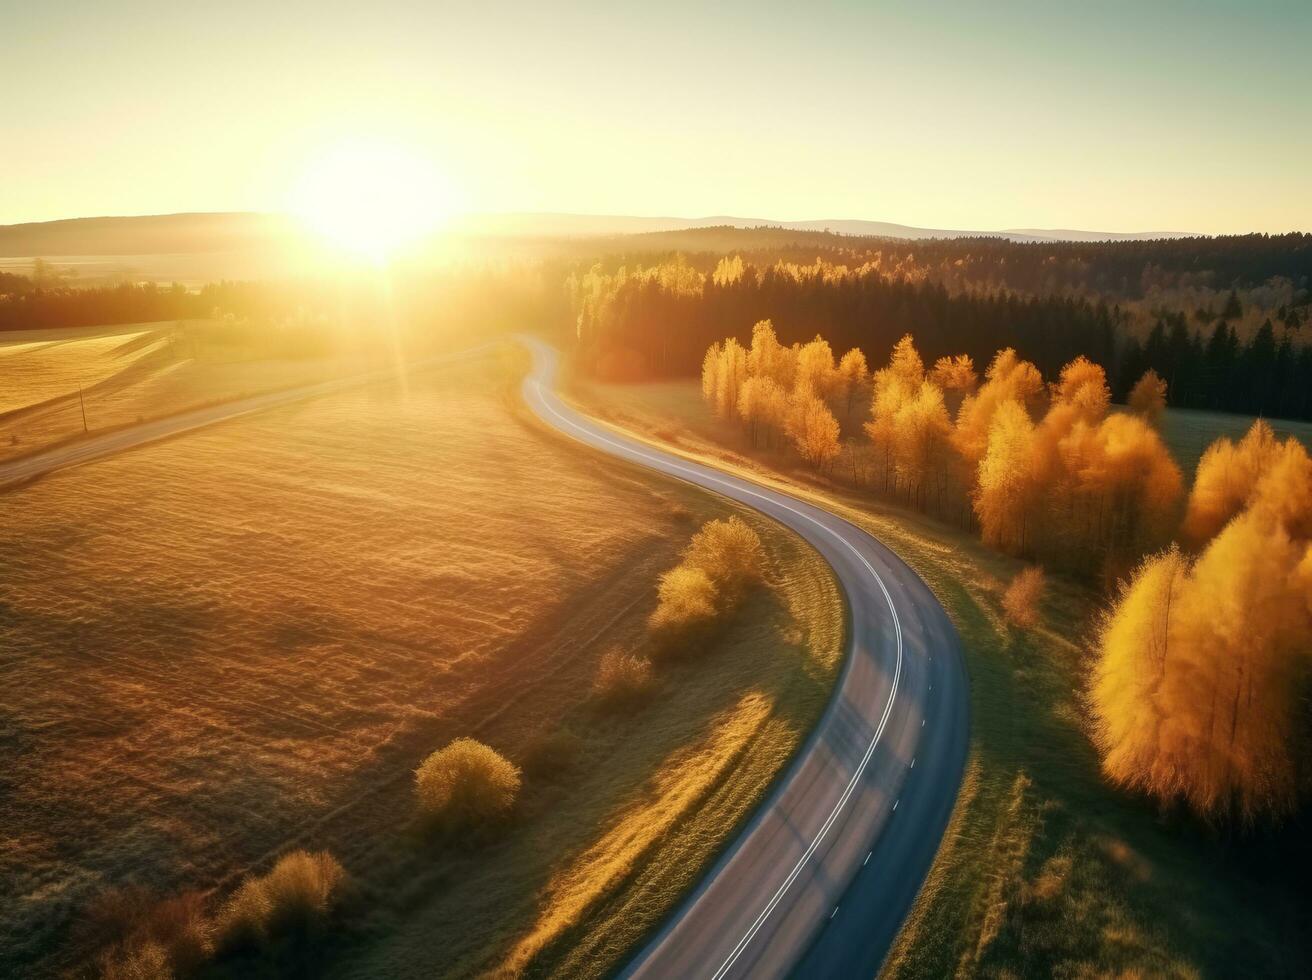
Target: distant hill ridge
pixel 231 231
pixel 590 225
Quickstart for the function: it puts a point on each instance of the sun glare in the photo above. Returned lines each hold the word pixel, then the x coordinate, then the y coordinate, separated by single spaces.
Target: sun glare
pixel 371 200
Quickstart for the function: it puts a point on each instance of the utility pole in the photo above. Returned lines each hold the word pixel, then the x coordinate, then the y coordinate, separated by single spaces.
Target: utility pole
pixel 83 405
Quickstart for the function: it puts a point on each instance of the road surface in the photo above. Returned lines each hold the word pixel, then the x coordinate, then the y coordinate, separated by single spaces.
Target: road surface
pixel 98 445
pixel 819 881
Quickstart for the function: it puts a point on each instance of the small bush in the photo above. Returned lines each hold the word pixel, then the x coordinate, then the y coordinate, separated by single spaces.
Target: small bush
pixel 729 552
pixel 184 929
pixel 297 892
pixel 140 960
pixel 622 678
pixel 136 929
pixel 722 559
pixel 301 886
pixel 246 914
pixel 687 598
pixel 1020 602
pixel 466 783
pixel 115 915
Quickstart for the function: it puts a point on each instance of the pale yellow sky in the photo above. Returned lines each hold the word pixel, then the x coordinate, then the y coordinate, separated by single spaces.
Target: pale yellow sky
pixel 1127 117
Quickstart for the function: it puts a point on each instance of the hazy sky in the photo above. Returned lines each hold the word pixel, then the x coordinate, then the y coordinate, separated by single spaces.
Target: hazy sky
pixel 1110 115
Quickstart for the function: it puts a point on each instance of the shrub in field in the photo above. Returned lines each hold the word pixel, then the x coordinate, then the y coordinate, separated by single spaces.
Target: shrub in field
pixel 246 914
pixel 722 559
pixel 140 961
pixel 301 886
pixel 1021 600
pixel 729 552
pixel 687 598
pixel 296 892
pixel 622 678
pixel 466 783
pixel 138 932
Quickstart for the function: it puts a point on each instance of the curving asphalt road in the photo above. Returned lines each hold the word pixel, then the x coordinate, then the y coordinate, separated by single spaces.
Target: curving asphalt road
pixel 819 881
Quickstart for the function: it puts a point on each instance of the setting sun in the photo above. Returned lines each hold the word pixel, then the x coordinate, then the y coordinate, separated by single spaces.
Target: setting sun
pixel 371 199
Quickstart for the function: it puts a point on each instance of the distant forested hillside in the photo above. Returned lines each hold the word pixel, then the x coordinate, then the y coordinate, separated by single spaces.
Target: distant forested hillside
pixel 1116 271
pixel 659 320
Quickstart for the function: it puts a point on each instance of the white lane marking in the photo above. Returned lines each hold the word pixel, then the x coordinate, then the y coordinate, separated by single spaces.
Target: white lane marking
pixel 867 860
pixel 913 764
pixel 922 722
pixel 834 912
pixel 700 478
pixel 895 803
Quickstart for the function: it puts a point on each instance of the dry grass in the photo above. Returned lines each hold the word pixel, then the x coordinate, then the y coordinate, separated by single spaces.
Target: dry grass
pixel 552 754
pixel 680 785
pixel 43 370
pixel 141 371
pixel 623 679
pixel 244 641
pixel 1045 869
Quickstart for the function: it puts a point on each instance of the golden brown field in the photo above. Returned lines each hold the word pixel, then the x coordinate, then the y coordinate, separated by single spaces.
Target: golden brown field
pixel 141 371
pixel 38 371
pixel 233 644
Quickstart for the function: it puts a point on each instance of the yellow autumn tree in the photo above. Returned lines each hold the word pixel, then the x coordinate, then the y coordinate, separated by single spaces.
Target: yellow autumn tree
pixel 1226 477
pixel 711 373
pixel 1005 495
pixel 955 374
pixel 1111 489
pixel 893 387
pixel 812 427
pixel 815 368
pixel 1083 386
pixel 1008 378
pixel 956 378
pixel 1202 667
pixel 767 358
pixel 854 378
pixel 728 271
pixel 729 378
pixel 922 433
pixel 1136 644
pixel 772 410
pixel 1148 398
